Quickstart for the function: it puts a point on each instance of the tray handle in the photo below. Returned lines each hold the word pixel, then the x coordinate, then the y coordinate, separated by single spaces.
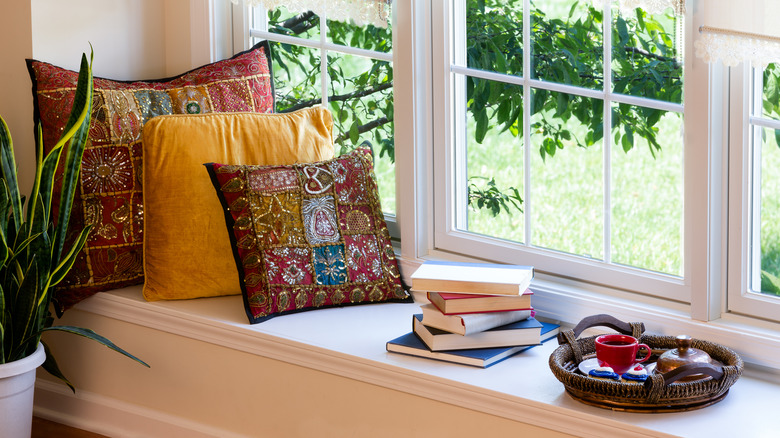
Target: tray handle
pixel 657 382
pixel 634 329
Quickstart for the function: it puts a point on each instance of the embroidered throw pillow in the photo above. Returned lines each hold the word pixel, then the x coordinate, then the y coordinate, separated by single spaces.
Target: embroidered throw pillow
pixel 308 236
pixel 109 196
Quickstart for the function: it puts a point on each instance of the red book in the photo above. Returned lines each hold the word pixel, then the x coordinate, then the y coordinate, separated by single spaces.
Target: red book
pixel 451 303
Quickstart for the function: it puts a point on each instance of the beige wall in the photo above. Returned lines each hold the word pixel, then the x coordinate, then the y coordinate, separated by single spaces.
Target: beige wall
pixel 758 16
pixel 15 102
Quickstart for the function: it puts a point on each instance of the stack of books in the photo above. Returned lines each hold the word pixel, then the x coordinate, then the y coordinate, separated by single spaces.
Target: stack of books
pixel 479 314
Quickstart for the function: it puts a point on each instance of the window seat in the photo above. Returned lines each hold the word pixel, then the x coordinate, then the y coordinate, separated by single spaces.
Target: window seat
pixel 350 342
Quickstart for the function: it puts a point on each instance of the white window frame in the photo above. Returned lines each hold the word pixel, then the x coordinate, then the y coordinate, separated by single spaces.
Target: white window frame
pixel 449 238
pixel 417 40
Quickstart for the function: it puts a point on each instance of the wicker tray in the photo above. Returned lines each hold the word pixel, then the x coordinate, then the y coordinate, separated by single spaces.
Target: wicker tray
pixel 660 392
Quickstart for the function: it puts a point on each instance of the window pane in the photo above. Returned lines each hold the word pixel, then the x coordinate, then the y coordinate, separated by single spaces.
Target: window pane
pixel 302 25
pixel 367 37
pixel 645 56
pixel 495 159
pixel 494 36
pixel 296 76
pixel 361 99
pixel 568 43
pixel 647 198
pixel 770 213
pixel 567 209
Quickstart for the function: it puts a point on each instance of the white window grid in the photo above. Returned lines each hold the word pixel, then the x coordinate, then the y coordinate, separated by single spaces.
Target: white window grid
pixel 452 165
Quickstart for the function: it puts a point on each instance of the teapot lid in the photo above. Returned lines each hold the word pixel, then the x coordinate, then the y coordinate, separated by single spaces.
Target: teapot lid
pixel 682 355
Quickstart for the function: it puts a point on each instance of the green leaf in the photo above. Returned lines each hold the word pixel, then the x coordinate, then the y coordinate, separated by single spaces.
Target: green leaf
pixel 354 132
pixel 51 367
pixel 628 139
pixel 503 112
pixel 482 125
pixel 67 262
pixel 8 167
pixel 777 137
pixel 24 311
pixel 90 334
pixel 76 130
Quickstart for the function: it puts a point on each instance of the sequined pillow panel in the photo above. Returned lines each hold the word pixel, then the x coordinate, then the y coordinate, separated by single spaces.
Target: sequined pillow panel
pixel 109 195
pixel 308 236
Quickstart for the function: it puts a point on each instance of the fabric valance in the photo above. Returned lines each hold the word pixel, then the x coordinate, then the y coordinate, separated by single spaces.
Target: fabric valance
pixel 650 6
pixel 732 47
pixel 361 12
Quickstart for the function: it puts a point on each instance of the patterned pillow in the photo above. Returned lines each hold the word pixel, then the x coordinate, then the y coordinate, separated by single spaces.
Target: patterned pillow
pixel 110 194
pixel 308 236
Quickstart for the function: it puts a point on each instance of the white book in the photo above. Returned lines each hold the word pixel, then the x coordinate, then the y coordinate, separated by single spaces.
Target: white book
pixel 467 324
pixel 472 278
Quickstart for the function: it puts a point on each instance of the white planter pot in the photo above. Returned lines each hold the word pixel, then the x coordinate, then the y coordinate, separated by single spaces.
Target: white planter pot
pixel 17 386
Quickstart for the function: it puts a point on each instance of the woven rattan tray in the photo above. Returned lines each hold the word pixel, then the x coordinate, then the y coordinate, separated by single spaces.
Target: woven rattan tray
pixel 660 392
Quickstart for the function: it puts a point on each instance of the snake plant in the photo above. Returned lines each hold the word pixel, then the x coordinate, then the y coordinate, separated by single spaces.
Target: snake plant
pixel 34 251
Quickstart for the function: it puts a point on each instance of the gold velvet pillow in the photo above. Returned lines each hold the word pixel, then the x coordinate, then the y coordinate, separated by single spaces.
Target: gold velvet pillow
pixel 187 251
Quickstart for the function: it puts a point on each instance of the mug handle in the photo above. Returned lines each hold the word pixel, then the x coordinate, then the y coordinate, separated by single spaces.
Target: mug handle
pixel 647 356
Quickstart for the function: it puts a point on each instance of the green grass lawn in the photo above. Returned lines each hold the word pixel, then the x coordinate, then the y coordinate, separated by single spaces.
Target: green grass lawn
pixel 566 207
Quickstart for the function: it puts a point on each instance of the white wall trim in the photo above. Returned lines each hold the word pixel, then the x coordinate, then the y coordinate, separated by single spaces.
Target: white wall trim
pixel 112 417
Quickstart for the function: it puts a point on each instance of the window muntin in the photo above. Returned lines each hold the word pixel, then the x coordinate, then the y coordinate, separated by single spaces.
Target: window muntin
pixel 355 82
pixel 563 124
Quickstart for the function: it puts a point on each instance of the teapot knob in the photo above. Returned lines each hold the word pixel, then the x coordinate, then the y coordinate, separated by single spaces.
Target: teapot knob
pixel 683 344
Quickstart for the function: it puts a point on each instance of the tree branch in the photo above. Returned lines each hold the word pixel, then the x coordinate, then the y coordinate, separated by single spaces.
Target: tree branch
pixel 364 128
pixel 299 24
pixel 340 97
pixel 647 54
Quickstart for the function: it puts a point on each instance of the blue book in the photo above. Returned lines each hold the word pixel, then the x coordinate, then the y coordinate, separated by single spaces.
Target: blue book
pixel 410 344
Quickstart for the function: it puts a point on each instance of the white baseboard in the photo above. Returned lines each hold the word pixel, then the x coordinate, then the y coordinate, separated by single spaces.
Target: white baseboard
pixel 114 418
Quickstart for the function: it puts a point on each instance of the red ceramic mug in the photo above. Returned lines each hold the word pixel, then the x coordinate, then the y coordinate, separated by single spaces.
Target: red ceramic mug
pixel 619 352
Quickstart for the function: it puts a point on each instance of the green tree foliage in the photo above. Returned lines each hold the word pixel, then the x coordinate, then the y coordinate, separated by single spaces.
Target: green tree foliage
pixel 567 49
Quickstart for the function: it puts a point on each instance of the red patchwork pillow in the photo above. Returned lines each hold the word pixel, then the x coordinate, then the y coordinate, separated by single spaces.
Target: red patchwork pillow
pixel 109 196
pixel 308 236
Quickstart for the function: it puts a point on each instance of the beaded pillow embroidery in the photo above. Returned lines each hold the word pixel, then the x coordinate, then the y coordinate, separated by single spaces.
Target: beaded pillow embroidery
pixel 308 236
pixel 109 196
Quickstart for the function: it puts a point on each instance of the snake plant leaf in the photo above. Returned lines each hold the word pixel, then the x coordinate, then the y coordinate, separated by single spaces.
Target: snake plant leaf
pixel 25 309
pixel 51 367
pixel 32 205
pixel 76 131
pixel 19 249
pixel 50 164
pixel 8 167
pixel 67 262
pixel 87 333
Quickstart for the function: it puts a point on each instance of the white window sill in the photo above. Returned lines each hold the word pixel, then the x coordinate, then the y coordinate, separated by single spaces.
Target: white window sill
pixel 350 342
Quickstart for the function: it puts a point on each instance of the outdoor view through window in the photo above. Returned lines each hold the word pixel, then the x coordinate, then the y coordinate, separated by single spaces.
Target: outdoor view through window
pixel 566 145
pixel 566 124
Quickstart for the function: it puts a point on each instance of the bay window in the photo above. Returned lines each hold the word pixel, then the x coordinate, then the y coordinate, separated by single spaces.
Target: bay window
pixel 583 137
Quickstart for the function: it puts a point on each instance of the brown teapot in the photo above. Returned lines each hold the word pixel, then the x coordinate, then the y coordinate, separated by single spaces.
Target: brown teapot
pixel 683 355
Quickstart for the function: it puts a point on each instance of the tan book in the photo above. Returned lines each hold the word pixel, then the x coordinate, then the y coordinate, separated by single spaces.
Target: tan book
pixel 449 303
